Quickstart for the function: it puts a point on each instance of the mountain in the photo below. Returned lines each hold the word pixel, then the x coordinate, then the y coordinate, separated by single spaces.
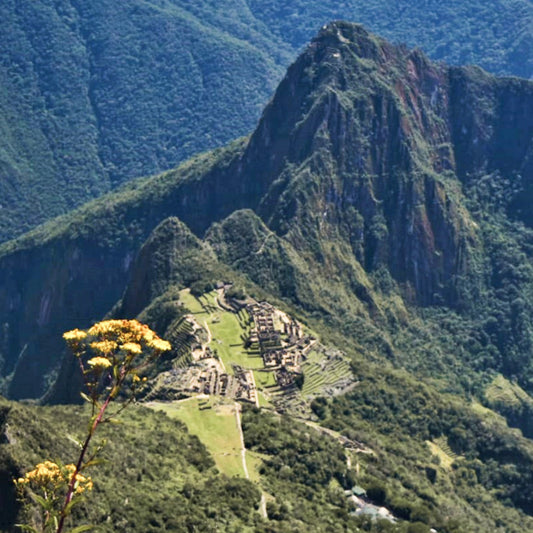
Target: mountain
pixel 370 163
pixel 94 95
pixel 382 201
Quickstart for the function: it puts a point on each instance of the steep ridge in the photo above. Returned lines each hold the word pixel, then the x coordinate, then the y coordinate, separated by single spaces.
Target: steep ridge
pixel 93 94
pixel 359 166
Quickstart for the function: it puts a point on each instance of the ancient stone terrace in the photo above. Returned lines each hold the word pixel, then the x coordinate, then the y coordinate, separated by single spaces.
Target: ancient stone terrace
pixel 268 332
pixel 283 358
pixel 207 377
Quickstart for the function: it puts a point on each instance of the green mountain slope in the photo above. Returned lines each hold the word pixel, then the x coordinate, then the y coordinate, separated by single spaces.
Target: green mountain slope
pixel 156 476
pixel 473 32
pixel 381 201
pixel 92 95
pixel 359 167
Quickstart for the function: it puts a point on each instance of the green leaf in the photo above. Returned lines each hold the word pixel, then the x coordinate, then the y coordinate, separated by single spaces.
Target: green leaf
pixel 24 527
pixel 45 504
pixel 85 397
pixel 81 529
pixel 75 441
pixel 94 462
pixel 75 500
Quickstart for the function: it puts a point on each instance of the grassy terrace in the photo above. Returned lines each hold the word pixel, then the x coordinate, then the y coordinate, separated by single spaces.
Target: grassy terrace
pixel 228 331
pixel 215 424
pixel 320 373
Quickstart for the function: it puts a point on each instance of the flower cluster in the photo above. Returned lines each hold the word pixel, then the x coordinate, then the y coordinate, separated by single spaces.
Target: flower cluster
pixel 99 362
pixel 111 355
pixel 50 477
pixel 115 344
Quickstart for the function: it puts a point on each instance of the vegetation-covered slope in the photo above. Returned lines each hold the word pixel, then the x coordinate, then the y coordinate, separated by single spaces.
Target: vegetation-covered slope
pixel 363 167
pixel 472 32
pixel 156 476
pixel 95 94
pixel 380 200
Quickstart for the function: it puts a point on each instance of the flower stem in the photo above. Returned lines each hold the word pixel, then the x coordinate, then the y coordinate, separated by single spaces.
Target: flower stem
pixel 85 447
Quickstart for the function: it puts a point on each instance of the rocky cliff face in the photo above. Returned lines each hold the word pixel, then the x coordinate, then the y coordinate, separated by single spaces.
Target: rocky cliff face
pixel 358 166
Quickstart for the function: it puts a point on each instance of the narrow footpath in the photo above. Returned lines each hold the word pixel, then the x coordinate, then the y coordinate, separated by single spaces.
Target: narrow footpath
pixel 262 505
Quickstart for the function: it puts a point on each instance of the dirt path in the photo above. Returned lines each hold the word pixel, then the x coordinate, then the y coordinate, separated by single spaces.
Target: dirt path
pixel 358 447
pixel 209 335
pixel 209 339
pixel 262 505
pixel 261 248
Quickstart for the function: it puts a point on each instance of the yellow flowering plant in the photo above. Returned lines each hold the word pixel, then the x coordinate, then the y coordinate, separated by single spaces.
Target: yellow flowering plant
pixel 112 355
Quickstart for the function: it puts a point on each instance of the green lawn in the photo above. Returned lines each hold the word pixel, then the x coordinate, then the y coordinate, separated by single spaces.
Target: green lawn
pixel 216 428
pixel 192 303
pixel 254 461
pixel 264 379
pixel 263 400
pixel 227 330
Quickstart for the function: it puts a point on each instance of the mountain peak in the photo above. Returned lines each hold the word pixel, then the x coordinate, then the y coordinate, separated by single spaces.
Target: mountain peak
pixel 358 165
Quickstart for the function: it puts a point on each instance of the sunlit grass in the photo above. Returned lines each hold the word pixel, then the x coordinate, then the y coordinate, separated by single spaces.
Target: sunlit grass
pixel 215 424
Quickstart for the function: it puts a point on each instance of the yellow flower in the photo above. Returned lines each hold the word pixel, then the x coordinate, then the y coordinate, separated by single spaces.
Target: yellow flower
pixel 42 475
pixel 99 362
pixel 82 483
pixel 132 347
pixel 74 335
pixel 105 327
pixel 136 378
pixel 104 347
pixel 160 345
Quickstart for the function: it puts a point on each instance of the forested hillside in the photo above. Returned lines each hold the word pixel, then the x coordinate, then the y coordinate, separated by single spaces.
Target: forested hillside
pixel 382 201
pixel 93 94
pixel 367 167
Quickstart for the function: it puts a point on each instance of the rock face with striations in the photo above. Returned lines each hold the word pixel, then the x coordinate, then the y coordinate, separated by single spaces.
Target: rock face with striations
pixel 359 164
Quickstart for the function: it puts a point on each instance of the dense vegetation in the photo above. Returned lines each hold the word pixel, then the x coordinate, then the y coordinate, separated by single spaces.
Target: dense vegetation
pixel 93 95
pixel 156 477
pixel 473 32
pixel 381 201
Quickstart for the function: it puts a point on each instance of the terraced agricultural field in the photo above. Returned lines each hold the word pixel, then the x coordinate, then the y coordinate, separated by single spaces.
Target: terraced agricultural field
pixel 504 392
pixel 181 337
pixel 446 460
pixel 322 372
pixel 228 330
pixel 443 445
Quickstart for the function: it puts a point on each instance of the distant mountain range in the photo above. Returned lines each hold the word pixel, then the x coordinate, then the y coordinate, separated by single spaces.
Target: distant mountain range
pixel 92 95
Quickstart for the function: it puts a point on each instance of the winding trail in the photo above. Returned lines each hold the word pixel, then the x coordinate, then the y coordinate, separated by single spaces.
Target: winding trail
pixel 261 248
